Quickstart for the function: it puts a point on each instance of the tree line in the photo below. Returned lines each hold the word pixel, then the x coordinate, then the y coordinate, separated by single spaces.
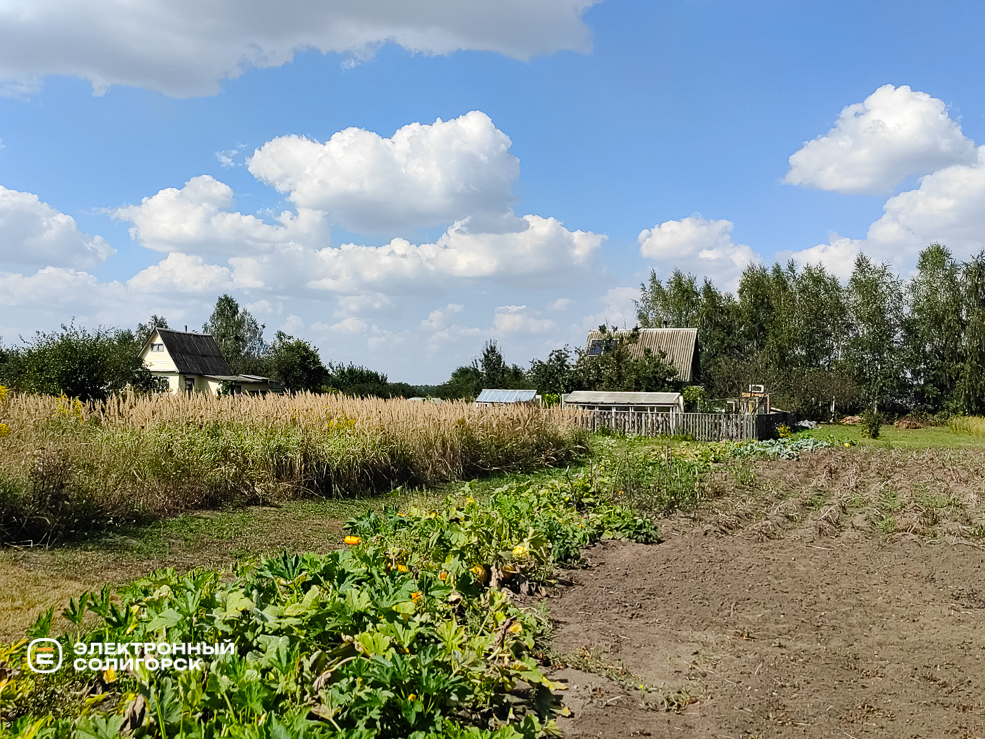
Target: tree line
pixel 879 342
pixel 94 364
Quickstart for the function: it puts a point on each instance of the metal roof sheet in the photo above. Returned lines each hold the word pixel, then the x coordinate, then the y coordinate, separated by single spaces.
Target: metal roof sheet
pixel 506 396
pixel 590 397
pixel 194 354
pixel 676 343
pixel 255 379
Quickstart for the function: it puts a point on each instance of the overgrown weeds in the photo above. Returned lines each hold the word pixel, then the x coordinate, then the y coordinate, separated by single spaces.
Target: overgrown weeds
pixel 67 468
pixel 653 477
pixel 971 425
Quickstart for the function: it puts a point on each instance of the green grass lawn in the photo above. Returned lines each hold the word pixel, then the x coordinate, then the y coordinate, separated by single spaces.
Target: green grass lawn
pixel 890 437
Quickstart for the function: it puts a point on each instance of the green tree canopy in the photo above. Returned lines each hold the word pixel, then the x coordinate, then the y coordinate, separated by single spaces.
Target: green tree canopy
pixel 83 364
pixel 144 330
pixel 296 364
pixel 874 349
pixel 616 368
pixel 936 327
pixel 238 334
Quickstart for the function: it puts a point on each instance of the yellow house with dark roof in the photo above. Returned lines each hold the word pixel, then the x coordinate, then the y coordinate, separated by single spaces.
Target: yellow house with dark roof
pixel 193 363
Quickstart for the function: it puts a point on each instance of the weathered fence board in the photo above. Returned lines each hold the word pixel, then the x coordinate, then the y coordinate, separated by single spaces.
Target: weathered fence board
pixel 701 426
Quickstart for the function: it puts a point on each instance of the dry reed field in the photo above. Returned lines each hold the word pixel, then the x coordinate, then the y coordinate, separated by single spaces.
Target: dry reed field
pixel 66 467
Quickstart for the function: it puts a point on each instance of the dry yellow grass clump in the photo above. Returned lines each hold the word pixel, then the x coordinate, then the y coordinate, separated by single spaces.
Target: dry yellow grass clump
pixel 66 464
pixel 974 425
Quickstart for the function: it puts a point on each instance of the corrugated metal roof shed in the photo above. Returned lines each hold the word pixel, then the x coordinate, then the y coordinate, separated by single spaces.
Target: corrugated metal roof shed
pixel 590 397
pixel 506 396
pixel 194 354
pixel 677 343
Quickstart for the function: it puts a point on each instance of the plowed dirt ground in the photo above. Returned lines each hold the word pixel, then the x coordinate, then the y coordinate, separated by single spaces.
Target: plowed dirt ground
pixel 847 633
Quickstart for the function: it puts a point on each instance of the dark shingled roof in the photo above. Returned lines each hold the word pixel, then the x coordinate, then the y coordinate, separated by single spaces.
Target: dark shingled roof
pixel 194 354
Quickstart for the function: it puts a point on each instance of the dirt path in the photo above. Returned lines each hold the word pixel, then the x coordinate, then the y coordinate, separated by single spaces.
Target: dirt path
pixel 846 637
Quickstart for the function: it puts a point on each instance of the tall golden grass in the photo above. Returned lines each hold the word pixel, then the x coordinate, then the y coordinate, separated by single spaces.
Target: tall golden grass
pixel 66 466
pixel 973 425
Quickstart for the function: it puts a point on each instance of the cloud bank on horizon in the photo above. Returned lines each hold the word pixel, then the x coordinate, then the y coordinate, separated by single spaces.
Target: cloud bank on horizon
pixel 185 49
pixel 456 174
pixel 459 174
pixel 410 238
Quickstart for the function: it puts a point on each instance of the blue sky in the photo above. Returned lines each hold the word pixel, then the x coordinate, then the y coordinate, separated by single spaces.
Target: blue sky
pixel 155 157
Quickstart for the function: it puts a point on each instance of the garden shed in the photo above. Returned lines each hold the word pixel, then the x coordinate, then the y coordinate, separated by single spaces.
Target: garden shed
pixel 612 401
pixel 507 397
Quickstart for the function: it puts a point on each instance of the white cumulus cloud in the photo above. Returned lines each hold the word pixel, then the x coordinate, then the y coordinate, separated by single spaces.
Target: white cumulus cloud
pixel 35 234
pixel 441 318
pixel 946 207
pixel 618 309
pixel 513 319
pixel 52 286
pixel 876 144
pixel 697 245
pixel 345 326
pixel 186 49
pixel 837 256
pixel 424 175
pixel 184 273
pixel 192 220
pixel 293 326
pixel 545 251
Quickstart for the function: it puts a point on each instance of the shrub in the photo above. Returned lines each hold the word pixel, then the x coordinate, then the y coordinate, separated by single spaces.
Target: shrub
pixel 871 423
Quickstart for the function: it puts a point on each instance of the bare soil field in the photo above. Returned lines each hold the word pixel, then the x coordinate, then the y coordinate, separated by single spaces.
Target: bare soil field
pixel 789 609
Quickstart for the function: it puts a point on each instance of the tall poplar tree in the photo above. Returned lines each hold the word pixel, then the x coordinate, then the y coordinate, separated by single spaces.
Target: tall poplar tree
pixel 874 349
pixel 935 328
pixel 971 385
pixel 239 336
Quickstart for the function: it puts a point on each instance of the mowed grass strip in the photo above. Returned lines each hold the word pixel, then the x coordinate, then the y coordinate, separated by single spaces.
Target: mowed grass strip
pixel 36 579
pixel 930 437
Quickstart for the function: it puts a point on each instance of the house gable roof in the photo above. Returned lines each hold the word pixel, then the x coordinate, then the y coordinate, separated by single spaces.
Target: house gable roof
pixel 194 354
pixel 677 343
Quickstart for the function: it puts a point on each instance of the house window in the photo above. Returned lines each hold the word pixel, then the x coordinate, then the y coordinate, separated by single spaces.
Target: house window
pixel 190 384
pixel 157 347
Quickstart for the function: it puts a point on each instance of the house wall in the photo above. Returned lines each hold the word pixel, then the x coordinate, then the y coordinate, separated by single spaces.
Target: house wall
pixel 157 361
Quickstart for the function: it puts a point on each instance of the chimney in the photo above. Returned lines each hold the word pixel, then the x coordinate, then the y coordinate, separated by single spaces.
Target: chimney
pixel 186 328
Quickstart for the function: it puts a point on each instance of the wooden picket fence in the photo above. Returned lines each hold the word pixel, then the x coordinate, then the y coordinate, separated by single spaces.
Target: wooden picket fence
pixel 700 426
